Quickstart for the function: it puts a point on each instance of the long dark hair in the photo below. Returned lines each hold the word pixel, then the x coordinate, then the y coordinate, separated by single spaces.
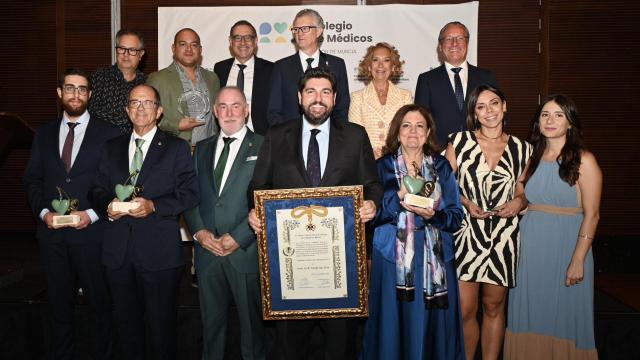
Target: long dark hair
pixel 472 121
pixel 392 143
pixel 570 155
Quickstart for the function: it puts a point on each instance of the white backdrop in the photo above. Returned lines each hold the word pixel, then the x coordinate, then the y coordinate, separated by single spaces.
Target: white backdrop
pixel 349 30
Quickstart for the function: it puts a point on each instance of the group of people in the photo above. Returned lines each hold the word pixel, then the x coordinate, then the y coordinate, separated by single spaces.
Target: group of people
pixel 509 216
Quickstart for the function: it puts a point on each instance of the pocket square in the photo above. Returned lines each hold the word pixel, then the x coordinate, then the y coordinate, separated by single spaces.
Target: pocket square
pixel 252 158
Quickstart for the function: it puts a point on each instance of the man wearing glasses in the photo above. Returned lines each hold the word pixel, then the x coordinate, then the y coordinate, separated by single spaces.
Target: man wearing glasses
pixel 307 31
pixel 64 161
pixel 187 90
pixel 248 72
pixel 111 85
pixel 444 89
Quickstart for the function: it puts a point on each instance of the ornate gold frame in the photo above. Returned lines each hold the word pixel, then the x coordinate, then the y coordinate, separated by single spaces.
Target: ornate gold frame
pixel 355 192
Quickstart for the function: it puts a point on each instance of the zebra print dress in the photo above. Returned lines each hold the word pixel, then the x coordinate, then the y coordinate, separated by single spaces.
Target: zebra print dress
pixel 487 249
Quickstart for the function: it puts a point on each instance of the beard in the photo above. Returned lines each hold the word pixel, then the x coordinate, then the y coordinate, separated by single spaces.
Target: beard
pixel 74 111
pixel 317 119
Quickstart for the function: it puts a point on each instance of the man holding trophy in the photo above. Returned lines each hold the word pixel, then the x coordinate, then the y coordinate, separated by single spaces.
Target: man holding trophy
pixel 145 181
pixel 64 160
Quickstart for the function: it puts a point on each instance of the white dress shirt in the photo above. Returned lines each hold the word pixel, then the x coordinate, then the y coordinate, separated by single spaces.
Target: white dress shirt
pixel 323 141
pixel 464 75
pixel 148 137
pixel 249 72
pixel 234 147
pixel 304 57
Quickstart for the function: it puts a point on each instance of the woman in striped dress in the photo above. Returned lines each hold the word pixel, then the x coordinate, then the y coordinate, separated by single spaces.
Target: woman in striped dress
pixel 489 165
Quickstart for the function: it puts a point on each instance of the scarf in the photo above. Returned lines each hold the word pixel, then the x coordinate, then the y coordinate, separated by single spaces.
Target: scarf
pixel 200 132
pixel 434 275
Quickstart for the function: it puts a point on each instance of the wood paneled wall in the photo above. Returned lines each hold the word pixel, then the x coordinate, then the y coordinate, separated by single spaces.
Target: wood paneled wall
pixel 584 49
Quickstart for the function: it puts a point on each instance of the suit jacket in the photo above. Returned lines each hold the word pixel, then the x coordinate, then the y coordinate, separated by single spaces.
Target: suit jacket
pixel 46 170
pixel 434 91
pixel 225 212
pixel 283 97
pixel 167 82
pixel 349 161
pixel 260 93
pixel 169 180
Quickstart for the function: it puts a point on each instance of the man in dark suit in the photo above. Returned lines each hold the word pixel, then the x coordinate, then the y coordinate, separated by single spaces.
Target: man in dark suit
pixel 226 254
pixel 307 30
pixel 336 153
pixel 444 90
pixel 248 72
pixel 65 154
pixel 142 249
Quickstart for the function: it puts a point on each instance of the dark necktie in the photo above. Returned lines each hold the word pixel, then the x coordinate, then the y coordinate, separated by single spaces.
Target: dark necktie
pixel 313 159
pixel 222 162
pixel 458 87
pixel 136 164
pixel 240 82
pixel 309 62
pixel 67 148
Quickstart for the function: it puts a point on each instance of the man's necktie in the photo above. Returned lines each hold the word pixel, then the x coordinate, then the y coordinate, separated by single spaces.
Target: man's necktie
pixel 67 148
pixel 309 62
pixel 240 82
pixel 458 87
pixel 313 159
pixel 222 162
pixel 136 164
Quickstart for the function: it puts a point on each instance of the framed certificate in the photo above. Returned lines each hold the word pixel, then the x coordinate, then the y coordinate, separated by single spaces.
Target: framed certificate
pixel 312 253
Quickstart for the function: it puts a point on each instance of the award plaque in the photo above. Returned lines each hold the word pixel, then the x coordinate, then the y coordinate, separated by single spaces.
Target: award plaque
pixel 418 189
pixel 195 104
pixel 312 253
pixel 125 193
pixel 63 206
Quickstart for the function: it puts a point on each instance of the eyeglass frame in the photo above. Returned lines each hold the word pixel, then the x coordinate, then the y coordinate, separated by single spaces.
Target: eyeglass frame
pixel 240 38
pixel 71 89
pixel 131 51
pixel 295 29
pixel 144 104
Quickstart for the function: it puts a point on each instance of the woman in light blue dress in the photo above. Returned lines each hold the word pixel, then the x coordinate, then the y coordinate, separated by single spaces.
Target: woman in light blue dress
pixel 551 310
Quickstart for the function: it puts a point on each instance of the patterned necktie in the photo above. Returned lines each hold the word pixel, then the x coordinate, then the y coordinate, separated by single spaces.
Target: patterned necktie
pixel 313 159
pixel 240 82
pixel 458 87
pixel 309 62
pixel 136 164
pixel 222 162
pixel 67 148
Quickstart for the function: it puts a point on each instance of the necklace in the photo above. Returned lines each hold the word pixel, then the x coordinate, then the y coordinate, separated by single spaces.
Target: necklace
pixel 489 138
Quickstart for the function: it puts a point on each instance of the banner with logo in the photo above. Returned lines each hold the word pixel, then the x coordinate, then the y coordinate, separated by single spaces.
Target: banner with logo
pixel 349 30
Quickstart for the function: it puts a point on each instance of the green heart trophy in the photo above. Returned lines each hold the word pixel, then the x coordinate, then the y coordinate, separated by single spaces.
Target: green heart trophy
pixel 418 189
pixel 125 192
pixel 63 207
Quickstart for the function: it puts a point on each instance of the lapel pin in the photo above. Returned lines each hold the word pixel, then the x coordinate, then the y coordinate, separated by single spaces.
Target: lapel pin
pixel 250 144
pixel 159 143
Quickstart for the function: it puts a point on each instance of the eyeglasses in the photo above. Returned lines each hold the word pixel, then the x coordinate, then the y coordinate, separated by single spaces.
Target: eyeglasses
pixel 70 89
pixel 303 29
pixel 239 38
pixel 147 104
pixel 131 51
pixel 451 39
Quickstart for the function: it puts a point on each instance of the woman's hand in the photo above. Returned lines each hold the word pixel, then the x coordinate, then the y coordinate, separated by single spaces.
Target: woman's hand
pixel 510 208
pixel 474 210
pixel 422 212
pixel 575 272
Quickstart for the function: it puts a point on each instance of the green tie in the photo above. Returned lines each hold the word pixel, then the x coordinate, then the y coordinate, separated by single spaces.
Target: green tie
pixel 222 162
pixel 136 165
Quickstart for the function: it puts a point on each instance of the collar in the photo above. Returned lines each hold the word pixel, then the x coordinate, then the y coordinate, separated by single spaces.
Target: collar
pixel 304 57
pixel 464 66
pixel 148 137
pixel 324 127
pixel 239 135
pixel 249 62
pixel 83 119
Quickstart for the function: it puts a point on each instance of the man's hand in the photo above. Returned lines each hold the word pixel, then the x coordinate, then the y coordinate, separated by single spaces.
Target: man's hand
pixel 187 123
pixel 48 219
pixel 367 211
pixel 208 241
pixel 229 244
pixel 114 215
pixel 254 222
pixel 85 220
pixel 144 209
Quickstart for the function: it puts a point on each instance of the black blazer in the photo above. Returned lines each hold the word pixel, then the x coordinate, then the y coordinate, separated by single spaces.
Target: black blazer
pixel 349 162
pixel 169 180
pixel 283 98
pixel 260 93
pixel 434 91
pixel 45 171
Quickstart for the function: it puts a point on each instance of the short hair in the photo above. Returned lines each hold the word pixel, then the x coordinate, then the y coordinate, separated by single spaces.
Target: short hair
pixel 230 87
pixel 175 37
pixel 319 22
pixel 245 23
pixel 155 92
pixel 472 122
pixel 74 71
pixel 458 23
pixel 363 68
pixel 123 32
pixel 392 142
pixel 317 73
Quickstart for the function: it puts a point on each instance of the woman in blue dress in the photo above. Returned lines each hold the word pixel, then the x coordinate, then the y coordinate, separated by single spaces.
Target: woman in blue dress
pixel 414 311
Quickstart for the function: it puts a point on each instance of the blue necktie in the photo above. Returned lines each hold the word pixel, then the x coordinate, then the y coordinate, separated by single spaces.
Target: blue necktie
pixel 458 87
pixel 313 159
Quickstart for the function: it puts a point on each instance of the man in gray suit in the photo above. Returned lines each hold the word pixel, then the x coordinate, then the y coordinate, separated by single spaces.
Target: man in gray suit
pixel 226 255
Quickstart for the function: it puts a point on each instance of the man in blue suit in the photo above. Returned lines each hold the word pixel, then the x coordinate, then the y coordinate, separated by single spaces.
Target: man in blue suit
pixel 142 248
pixel 307 30
pixel 444 90
pixel 226 254
pixel 65 154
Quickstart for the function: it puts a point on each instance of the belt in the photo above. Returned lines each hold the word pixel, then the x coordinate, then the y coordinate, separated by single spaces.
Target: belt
pixel 568 211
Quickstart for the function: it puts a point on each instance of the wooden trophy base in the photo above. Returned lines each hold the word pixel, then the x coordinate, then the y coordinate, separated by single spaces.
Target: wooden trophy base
pixel 418 201
pixel 124 206
pixel 65 220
